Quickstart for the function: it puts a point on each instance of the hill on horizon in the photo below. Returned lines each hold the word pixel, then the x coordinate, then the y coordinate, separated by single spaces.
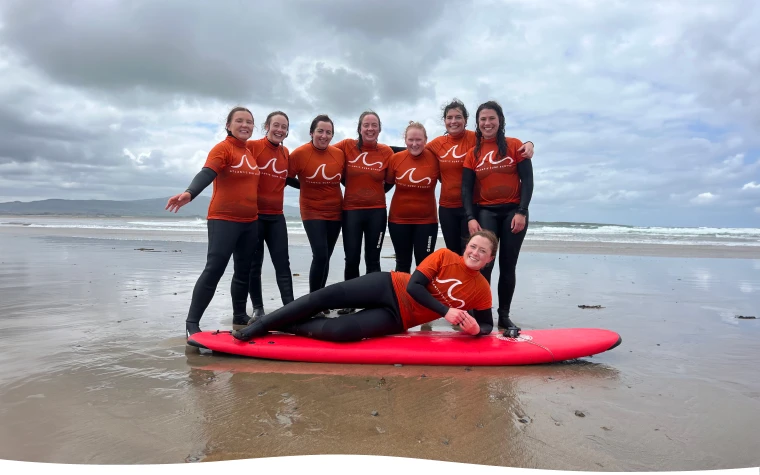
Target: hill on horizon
pixel 151 207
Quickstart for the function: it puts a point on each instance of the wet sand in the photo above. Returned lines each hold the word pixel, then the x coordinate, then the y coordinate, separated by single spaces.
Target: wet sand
pixel 96 370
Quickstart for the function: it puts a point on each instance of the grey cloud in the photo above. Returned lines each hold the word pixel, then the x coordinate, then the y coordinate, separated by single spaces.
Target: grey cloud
pixel 340 90
pixel 158 46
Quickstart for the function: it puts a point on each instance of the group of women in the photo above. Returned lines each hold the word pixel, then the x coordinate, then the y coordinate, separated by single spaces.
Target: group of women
pixel 486 187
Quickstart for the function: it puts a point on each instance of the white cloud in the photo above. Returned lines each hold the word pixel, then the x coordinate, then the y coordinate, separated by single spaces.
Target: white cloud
pixel 751 186
pixel 704 198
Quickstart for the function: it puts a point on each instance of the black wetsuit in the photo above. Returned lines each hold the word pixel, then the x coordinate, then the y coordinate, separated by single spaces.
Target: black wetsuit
pixel 225 239
pixel 499 220
pixel 412 238
pixel 373 293
pixel 274 231
pixel 322 236
pixel 454 228
pixel 370 225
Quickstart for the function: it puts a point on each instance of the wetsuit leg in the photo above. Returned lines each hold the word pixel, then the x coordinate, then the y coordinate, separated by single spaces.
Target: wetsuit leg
pixel 353 221
pixel 333 232
pixel 373 290
pixel 242 257
pixel 368 323
pixel 509 250
pixel 277 242
pixel 222 239
pixel 490 220
pixel 374 235
pixel 274 231
pixel 254 279
pixel 453 228
pixel 322 237
pixel 425 236
pixel 403 245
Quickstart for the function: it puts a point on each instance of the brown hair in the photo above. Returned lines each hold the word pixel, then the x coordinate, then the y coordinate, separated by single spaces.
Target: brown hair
pixel 501 140
pixel 456 104
pixel 488 235
pixel 229 117
pixel 360 142
pixel 415 125
pixel 269 120
pixel 318 119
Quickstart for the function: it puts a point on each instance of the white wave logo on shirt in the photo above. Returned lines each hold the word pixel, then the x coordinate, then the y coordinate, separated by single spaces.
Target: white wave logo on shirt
pixel 449 293
pixel 238 168
pixel 489 157
pixel 274 169
pixel 321 168
pixel 363 157
pixel 453 152
pixel 410 172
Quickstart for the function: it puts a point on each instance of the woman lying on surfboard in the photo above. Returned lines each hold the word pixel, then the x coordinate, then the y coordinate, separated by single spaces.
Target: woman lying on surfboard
pixel 445 284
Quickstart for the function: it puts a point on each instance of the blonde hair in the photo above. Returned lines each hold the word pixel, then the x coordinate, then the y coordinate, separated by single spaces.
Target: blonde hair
pixel 415 125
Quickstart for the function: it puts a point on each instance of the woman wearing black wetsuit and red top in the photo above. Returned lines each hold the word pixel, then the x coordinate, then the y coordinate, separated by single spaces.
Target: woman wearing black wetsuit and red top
pixel 365 215
pixel 319 169
pixel 272 159
pixel 413 221
pixel 445 285
pixel 505 187
pixel 232 215
pixel 451 149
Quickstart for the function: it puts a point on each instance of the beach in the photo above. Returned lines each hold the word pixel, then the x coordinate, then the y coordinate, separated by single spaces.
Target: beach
pixel 96 369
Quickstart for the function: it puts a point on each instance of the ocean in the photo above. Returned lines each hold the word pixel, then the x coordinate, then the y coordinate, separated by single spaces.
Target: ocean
pixel 184 229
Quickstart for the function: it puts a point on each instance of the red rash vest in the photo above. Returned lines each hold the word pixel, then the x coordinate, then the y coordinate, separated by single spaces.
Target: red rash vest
pixel 365 174
pixel 496 177
pixel 236 184
pixel 451 282
pixel 451 151
pixel 319 172
pixel 413 200
pixel 272 161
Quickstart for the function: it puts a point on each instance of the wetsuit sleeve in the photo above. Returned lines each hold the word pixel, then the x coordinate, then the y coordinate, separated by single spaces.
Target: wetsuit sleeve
pixel 397 149
pixel 417 288
pixel 293 182
pixel 468 183
pixel 387 186
pixel 200 182
pixel 525 172
pixel 485 321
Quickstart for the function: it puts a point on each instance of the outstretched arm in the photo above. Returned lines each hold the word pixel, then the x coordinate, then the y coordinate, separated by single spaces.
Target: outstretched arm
pixel 203 179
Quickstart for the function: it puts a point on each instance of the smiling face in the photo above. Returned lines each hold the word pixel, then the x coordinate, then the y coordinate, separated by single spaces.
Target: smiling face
pixel 478 253
pixel 454 121
pixel 369 128
pixel 415 141
pixel 241 125
pixel 488 123
pixel 277 129
pixel 322 135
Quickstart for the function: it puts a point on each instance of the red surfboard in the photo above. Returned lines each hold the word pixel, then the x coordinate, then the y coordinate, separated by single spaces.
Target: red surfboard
pixel 421 348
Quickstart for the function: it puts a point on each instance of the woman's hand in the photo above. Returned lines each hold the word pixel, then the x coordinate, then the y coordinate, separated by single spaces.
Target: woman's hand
pixel 473 226
pixel 456 316
pixel 518 223
pixel 470 325
pixel 178 201
pixel 526 150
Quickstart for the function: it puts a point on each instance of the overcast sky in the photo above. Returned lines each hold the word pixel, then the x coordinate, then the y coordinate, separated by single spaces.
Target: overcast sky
pixel 641 112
